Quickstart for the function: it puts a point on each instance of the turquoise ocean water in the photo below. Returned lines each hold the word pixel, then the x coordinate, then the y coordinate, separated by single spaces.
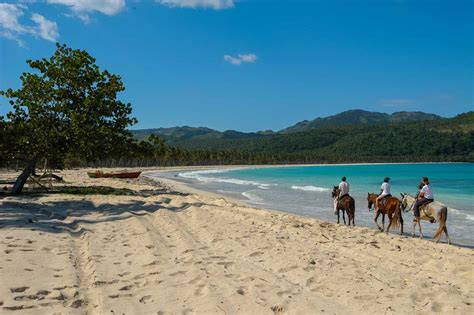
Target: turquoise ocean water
pixel 305 190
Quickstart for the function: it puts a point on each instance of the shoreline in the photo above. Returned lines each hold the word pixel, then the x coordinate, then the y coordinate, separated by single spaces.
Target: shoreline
pixel 174 249
pixel 192 185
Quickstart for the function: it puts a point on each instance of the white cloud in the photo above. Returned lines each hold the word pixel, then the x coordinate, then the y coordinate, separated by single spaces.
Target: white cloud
pixel 211 4
pixel 80 8
pixel 398 102
pixel 46 29
pixel 11 28
pixel 251 58
pixel 9 15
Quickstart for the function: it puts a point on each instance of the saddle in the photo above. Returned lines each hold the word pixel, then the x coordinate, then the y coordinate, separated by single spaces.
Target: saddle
pixel 422 209
pixel 384 199
pixel 341 199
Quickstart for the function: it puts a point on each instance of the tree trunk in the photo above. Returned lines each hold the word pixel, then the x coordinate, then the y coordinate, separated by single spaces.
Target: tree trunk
pixel 21 180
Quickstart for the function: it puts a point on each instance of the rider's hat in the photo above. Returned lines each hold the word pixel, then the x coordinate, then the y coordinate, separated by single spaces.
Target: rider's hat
pixel 386 179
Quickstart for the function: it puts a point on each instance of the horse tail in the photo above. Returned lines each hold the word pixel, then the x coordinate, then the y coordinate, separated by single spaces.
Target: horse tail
pixel 396 219
pixel 352 207
pixel 443 216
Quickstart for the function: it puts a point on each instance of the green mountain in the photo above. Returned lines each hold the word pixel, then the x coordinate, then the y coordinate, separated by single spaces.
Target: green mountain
pixel 430 140
pixel 359 117
pixel 177 135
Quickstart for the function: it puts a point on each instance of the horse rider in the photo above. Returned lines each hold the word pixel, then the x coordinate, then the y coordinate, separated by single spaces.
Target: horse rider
pixel 384 192
pixel 343 188
pixel 425 196
pixel 343 191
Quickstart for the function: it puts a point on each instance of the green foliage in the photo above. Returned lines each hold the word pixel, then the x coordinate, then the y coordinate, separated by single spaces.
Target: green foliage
pixel 66 107
pixel 359 117
pixel 434 140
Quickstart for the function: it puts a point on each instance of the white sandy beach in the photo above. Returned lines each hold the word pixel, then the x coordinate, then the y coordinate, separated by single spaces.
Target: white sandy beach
pixel 176 250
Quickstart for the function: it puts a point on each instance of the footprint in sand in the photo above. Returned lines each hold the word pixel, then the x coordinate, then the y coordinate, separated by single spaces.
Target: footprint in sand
pixel 277 309
pixel 310 281
pixel 30 297
pixel 19 307
pixel 123 274
pixel 19 289
pixel 256 254
pixel 127 287
pixel 201 290
pixel 242 291
pixel 146 299
pixel 153 263
pixel 177 273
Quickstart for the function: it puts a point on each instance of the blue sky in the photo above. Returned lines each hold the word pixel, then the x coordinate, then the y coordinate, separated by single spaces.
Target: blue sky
pixel 256 64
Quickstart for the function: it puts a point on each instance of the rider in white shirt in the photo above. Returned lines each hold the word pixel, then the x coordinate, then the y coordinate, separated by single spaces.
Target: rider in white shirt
pixel 425 196
pixel 343 188
pixel 384 191
pixel 343 191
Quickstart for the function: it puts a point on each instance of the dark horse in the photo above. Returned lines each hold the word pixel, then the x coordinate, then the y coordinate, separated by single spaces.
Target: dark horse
pixel 391 207
pixel 346 204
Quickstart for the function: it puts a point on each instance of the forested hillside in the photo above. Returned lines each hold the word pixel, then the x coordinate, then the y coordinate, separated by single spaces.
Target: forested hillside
pixel 359 117
pixel 348 118
pixel 434 140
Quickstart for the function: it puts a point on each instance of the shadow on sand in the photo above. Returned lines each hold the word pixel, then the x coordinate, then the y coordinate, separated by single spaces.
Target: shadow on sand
pixel 67 216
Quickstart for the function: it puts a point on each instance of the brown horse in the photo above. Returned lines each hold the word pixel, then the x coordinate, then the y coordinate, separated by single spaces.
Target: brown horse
pixel 391 207
pixel 346 204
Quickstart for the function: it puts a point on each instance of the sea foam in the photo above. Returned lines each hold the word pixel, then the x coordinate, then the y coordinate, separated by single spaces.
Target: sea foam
pixel 252 198
pixel 310 188
pixel 198 175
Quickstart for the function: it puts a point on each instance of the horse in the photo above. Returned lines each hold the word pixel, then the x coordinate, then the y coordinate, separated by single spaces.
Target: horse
pixel 346 204
pixel 433 212
pixel 391 207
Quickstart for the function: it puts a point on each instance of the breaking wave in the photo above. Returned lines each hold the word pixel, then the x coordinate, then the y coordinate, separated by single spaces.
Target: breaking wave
pixel 200 176
pixel 310 188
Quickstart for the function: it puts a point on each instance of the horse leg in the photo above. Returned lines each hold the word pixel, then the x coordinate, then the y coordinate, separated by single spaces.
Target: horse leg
pixel 414 227
pixel 442 225
pixel 421 233
pixel 344 216
pixel 337 216
pixel 401 223
pixel 377 213
pixel 389 215
pixel 447 236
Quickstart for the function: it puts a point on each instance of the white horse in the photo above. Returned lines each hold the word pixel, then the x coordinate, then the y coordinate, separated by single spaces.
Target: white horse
pixel 433 212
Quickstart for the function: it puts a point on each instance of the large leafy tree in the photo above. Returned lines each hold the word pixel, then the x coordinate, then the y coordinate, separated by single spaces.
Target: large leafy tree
pixel 66 106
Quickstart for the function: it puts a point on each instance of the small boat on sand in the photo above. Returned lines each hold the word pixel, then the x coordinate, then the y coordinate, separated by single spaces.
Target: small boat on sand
pixel 100 174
